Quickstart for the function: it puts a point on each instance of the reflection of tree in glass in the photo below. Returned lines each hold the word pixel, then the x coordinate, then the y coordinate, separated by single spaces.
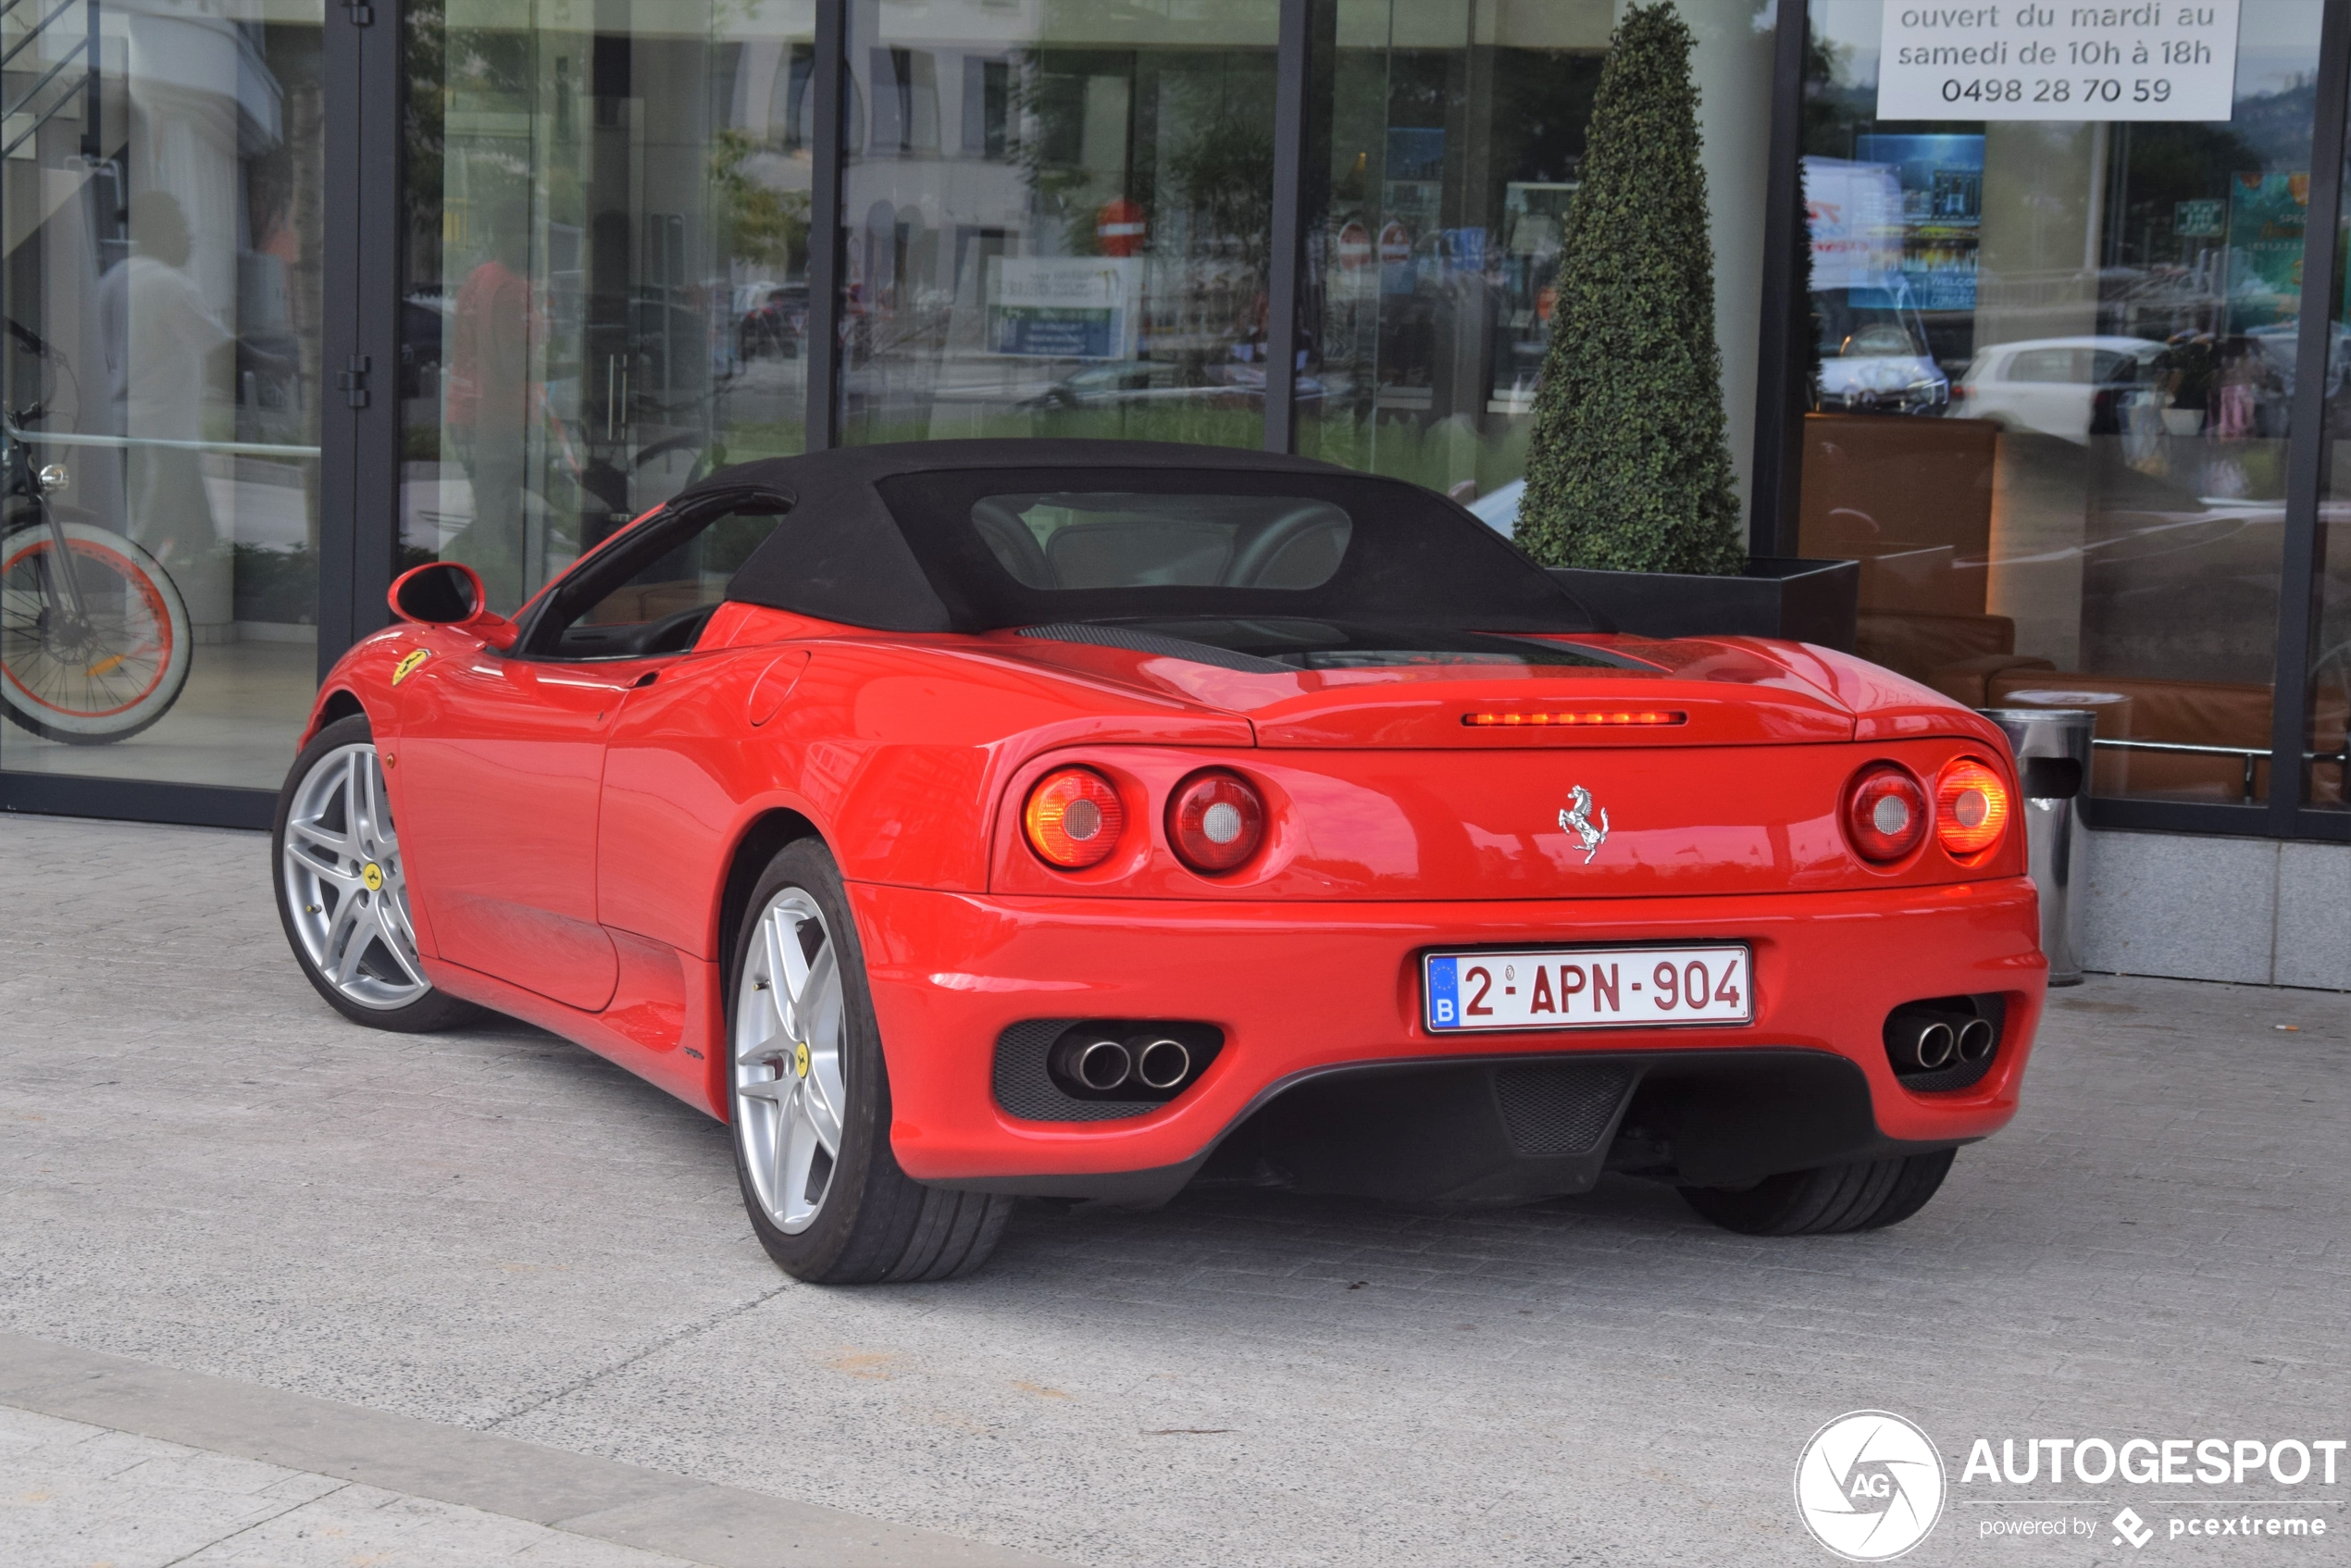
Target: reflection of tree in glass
pixel 1225 178
pixel 424 42
pixel 752 221
pixel 487 67
pixel 1050 94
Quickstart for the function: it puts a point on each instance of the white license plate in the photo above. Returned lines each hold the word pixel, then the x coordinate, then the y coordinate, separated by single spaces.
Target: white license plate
pixel 1587 987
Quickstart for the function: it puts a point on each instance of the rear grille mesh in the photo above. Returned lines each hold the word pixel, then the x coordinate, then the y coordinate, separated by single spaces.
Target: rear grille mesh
pixel 1553 1111
pixel 1959 1075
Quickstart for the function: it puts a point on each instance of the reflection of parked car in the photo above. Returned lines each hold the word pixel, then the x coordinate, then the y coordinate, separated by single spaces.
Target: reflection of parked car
pixel 1497 509
pixel 2281 342
pixel 771 319
pixel 2070 387
pixel 1125 382
pixel 1874 353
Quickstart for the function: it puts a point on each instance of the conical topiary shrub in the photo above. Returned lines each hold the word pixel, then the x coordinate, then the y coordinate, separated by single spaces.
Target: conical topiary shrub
pixel 1627 469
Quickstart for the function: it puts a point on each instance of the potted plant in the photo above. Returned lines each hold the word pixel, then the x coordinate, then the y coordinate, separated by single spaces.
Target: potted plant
pixel 1629 497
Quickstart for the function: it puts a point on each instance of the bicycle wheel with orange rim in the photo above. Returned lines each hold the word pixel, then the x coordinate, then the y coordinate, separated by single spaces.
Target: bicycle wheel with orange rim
pixel 95 666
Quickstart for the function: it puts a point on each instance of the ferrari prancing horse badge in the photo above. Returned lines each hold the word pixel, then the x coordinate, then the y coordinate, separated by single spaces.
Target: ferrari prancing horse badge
pixel 1578 819
pixel 407 664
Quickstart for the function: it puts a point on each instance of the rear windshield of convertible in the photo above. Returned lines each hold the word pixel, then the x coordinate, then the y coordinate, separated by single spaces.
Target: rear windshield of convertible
pixel 1012 547
pixel 1097 539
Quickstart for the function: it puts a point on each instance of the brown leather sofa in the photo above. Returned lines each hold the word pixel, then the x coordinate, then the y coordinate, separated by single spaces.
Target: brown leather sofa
pixel 1954 653
pixel 1971 659
pixel 2200 713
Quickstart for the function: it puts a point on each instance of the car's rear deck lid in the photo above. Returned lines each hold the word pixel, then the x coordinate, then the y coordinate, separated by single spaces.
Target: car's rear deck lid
pixel 1317 684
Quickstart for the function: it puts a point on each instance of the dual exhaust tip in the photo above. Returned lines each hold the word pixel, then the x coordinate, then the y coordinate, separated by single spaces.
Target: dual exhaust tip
pixel 1091 1062
pixel 1927 1040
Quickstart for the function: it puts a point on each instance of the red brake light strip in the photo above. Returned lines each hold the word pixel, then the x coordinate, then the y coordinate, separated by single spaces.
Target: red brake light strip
pixel 1628 717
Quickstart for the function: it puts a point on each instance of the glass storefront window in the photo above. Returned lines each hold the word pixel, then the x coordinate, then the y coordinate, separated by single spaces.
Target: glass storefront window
pixel 1444 142
pixel 605 292
pixel 1057 219
pixel 160 189
pixel 2054 362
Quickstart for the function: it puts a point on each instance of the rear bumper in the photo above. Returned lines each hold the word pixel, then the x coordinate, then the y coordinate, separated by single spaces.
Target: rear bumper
pixel 1303 991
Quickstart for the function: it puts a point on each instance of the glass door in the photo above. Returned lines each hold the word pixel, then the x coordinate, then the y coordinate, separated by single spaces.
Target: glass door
pixel 161 262
pixel 607 291
pixel 1056 220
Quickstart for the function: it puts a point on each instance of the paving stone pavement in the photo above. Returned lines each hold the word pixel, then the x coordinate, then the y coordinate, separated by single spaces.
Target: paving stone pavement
pixel 203 1167
pixel 73 1494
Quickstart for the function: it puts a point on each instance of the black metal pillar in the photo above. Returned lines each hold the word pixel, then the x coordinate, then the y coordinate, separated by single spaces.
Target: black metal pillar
pixel 1287 251
pixel 1777 470
pixel 359 340
pixel 828 77
pixel 2299 586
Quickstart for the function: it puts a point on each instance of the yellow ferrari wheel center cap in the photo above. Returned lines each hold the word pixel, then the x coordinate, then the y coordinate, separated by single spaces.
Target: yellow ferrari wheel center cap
pixel 372 875
pixel 799 1060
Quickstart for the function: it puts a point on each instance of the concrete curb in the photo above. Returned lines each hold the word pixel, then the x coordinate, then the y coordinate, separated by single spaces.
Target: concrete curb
pixel 626 1504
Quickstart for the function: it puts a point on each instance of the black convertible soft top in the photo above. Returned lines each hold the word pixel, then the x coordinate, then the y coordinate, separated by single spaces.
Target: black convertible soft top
pixel 881 537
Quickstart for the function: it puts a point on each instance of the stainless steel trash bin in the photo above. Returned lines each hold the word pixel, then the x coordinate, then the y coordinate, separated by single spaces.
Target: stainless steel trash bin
pixel 2052 748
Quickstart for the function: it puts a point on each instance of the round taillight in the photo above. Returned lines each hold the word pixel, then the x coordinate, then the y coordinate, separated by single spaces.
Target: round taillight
pixel 1074 818
pixel 1215 821
pixel 1884 813
pixel 1971 807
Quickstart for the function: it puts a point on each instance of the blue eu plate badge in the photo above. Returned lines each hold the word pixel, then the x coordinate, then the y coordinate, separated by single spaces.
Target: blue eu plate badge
pixel 1444 993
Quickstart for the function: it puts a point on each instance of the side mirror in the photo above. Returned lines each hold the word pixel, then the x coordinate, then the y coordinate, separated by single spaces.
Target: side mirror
pixel 450 593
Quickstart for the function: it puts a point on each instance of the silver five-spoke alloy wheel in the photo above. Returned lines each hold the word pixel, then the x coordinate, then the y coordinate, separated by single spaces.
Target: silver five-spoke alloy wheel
pixel 790 1097
pixel 344 889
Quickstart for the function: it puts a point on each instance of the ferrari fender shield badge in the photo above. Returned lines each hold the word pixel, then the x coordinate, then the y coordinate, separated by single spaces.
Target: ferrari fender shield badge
pixel 1578 819
pixel 407 664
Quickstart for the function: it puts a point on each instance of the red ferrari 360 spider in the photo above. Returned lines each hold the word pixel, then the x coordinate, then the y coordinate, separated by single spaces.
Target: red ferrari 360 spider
pixel 970 820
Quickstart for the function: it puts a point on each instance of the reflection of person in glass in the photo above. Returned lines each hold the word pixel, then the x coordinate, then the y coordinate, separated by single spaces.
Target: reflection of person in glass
pixel 160 334
pixel 489 408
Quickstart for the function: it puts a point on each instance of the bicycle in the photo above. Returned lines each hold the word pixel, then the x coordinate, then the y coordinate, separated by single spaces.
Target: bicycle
pixel 94 641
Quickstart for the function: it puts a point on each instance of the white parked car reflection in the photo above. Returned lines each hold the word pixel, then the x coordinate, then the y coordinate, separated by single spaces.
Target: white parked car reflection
pixel 1874 358
pixel 2068 387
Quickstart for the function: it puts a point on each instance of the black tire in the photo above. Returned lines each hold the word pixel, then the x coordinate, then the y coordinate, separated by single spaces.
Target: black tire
pixel 432 1009
pixel 1827 1200
pixel 873 1223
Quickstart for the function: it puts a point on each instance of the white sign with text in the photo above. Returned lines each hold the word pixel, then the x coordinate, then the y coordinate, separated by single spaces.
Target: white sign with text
pixel 2156 59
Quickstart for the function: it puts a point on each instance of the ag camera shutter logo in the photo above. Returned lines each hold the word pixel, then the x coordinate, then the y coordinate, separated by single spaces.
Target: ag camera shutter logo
pixel 1870 1486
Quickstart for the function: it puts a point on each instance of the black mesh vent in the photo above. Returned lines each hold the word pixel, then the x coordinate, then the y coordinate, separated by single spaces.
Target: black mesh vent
pixel 1552 1111
pixel 1025 1089
pixel 1961 1074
